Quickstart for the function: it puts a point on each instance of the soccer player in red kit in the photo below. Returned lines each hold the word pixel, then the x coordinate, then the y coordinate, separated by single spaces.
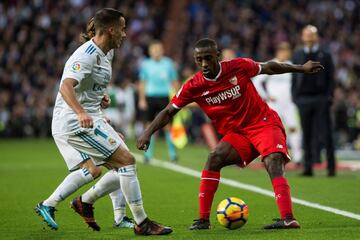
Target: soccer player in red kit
pixel 224 91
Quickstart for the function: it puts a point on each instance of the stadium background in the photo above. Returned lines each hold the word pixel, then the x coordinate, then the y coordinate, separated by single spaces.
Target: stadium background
pixel 38 36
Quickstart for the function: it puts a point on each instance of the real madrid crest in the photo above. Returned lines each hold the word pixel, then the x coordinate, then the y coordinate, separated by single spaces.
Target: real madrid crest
pixel 111 141
pixel 98 60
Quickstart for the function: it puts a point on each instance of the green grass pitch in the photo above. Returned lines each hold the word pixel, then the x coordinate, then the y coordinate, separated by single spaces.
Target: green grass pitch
pixel 31 169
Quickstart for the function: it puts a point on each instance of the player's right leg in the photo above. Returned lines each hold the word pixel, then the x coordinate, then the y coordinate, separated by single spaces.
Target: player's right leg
pixel 84 171
pixel 224 154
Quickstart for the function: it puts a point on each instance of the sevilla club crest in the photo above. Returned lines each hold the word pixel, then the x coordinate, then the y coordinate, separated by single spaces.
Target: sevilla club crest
pixel 233 80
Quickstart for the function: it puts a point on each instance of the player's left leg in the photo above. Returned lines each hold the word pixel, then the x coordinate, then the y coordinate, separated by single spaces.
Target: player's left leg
pixel 86 173
pixel 275 164
pixel 270 141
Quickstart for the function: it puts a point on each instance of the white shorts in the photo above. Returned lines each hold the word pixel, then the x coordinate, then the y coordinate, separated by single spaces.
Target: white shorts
pixel 97 143
pixel 287 111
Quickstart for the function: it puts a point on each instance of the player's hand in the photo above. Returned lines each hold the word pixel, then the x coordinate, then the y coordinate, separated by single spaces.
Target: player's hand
pixel 312 67
pixel 105 102
pixel 143 105
pixel 85 120
pixel 143 142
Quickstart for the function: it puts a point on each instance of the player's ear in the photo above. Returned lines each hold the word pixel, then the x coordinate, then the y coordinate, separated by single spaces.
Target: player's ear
pixel 218 54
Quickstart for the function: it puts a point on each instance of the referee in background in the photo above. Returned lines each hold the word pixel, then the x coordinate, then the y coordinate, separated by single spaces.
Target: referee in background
pixel 313 95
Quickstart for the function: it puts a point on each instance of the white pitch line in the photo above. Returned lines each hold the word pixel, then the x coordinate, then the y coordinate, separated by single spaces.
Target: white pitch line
pixel 248 187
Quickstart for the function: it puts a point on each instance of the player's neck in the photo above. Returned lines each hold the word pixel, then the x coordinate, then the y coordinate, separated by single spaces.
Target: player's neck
pixel 217 70
pixel 101 42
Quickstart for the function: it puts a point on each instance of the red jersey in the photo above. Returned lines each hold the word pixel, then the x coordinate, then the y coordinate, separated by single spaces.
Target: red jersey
pixel 230 100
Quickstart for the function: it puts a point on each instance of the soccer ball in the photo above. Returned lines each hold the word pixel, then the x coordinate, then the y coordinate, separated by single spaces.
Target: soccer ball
pixel 232 213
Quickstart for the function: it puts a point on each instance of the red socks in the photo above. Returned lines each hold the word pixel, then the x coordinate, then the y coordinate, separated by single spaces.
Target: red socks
pixel 208 186
pixel 282 197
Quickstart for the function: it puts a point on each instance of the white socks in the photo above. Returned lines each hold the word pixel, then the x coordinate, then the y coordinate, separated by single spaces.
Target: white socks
pixel 131 190
pixel 70 184
pixel 107 184
pixel 118 201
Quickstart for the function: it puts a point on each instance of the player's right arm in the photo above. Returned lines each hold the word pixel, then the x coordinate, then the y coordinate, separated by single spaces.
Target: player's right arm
pixel 68 93
pixel 161 120
pixel 181 99
pixel 78 67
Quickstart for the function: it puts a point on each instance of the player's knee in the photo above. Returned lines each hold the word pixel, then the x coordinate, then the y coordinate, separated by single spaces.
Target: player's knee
pixel 274 164
pixel 215 160
pixel 124 160
pixel 130 159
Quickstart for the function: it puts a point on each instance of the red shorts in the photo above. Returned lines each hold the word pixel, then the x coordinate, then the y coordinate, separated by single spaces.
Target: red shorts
pixel 262 141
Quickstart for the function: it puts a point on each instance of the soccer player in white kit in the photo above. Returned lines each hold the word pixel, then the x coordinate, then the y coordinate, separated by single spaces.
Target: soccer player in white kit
pixel 110 178
pixel 79 129
pixel 276 90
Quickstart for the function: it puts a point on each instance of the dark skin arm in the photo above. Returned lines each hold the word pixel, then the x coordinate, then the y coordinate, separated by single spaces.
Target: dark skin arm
pixel 279 68
pixel 159 122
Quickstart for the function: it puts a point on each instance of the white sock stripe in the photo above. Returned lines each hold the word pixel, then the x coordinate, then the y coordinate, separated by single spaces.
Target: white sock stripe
pixel 127 169
pixel 214 179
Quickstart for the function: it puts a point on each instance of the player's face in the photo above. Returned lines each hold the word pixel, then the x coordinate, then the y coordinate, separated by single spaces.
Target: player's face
pixel 118 34
pixel 207 59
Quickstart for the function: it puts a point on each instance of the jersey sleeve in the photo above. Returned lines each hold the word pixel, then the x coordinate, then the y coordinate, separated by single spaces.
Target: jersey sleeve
pixel 251 67
pixel 183 97
pixel 78 67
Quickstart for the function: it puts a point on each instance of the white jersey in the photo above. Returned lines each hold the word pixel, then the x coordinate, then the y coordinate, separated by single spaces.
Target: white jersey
pixel 92 69
pixel 277 86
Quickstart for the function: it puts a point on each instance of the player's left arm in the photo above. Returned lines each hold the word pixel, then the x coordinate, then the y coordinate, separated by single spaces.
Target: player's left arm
pixel 273 67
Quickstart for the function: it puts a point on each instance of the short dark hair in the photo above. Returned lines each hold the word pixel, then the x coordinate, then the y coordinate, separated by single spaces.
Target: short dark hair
pixel 106 17
pixel 206 42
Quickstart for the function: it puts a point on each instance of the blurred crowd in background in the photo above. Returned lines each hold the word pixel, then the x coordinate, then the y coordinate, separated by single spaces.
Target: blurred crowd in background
pixel 38 36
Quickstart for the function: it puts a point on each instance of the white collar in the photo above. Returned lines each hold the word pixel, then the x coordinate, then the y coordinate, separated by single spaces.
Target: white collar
pixel 99 49
pixel 217 76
